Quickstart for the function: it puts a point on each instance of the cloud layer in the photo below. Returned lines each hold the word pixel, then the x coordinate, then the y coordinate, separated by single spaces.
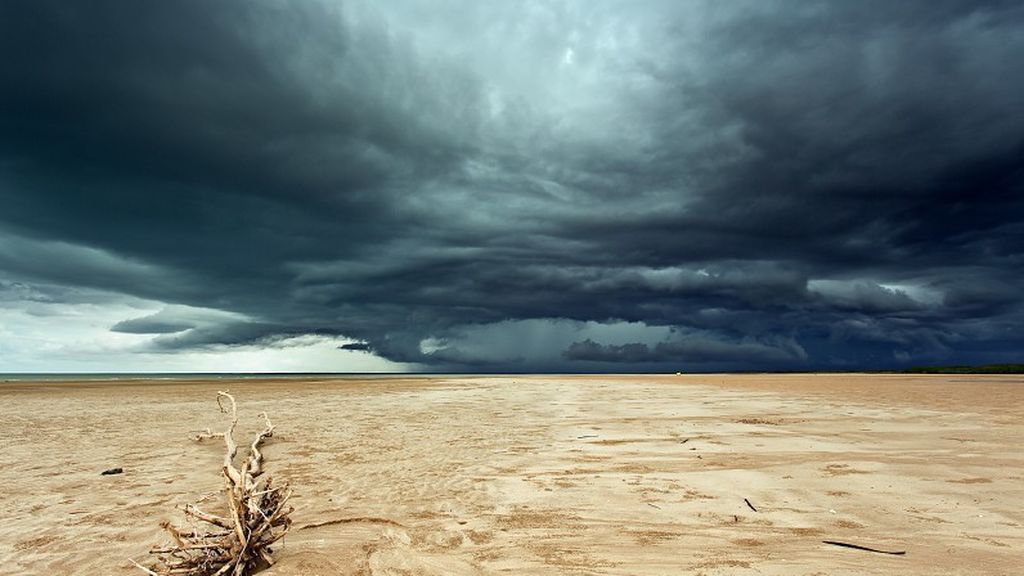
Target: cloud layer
pixel 524 186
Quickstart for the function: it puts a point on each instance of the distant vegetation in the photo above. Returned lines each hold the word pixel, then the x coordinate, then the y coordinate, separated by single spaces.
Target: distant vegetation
pixel 986 369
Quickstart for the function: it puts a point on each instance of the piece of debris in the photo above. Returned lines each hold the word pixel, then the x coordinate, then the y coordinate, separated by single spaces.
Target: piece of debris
pixel 865 548
pixel 749 505
pixel 112 471
pixel 358 519
pixel 652 505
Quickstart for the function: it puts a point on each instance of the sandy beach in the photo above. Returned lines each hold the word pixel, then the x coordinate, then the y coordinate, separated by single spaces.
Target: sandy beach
pixel 623 475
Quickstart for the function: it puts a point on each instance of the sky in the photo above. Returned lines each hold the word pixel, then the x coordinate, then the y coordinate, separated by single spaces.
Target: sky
pixel 457 185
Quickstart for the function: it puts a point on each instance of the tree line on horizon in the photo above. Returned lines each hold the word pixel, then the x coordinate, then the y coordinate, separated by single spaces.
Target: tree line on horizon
pixel 959 369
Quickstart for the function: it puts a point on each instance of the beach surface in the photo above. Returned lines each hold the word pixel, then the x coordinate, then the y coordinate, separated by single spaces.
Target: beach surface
pixel 623 475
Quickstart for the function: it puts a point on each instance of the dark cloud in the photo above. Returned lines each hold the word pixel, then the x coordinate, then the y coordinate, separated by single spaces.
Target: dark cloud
pixel 760 186
pixel 695 352
pixel 590 351
pixel 356 347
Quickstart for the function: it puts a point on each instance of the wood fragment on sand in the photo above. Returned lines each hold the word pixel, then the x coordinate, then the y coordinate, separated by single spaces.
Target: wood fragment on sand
pixel 864 548
pixel 353 520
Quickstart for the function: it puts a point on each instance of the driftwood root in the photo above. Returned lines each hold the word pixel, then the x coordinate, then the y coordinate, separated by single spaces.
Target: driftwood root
pixel 239 542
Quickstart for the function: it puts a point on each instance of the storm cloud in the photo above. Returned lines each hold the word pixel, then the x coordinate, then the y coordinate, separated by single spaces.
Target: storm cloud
pixel 534 185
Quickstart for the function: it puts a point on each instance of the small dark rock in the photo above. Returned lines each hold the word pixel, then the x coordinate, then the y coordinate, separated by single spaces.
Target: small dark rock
pixel 112 471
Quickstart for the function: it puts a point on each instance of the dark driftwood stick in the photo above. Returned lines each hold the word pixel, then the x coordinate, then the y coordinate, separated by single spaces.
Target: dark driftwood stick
pixel 749 505
pixel 368 519
pixel 865 548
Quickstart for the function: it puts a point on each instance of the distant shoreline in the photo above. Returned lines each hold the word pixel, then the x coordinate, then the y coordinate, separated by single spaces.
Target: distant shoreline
pixel 95 376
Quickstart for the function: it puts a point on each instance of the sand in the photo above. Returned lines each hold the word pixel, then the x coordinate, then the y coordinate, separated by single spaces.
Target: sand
pixel 637 475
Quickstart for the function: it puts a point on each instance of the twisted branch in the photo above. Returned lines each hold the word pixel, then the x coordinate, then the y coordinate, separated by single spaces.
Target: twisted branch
pixel 258 515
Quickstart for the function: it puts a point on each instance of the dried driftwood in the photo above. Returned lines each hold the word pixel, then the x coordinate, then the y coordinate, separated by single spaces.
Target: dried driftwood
pixel 865 548
pixel 240 543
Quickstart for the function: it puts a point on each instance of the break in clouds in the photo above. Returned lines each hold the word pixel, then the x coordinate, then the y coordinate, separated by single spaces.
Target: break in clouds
pixel 483 186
